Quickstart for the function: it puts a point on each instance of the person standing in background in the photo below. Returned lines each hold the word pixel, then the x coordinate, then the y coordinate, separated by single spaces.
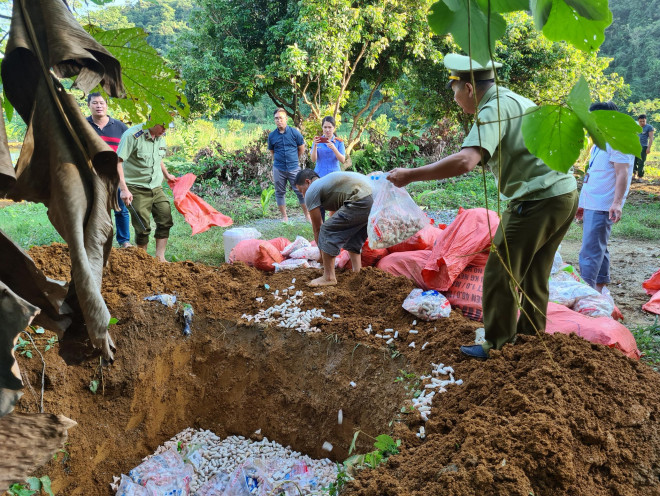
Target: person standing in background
pixel 110 131
pixel 328 151
pixel 645 140
pixel 286 146
pixel 604 190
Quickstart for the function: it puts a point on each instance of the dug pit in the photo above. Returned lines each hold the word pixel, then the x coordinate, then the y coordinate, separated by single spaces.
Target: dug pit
pixel 552 415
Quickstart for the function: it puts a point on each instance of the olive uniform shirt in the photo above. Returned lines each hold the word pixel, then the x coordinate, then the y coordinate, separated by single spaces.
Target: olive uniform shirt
pixel 521 175
pixel 142 155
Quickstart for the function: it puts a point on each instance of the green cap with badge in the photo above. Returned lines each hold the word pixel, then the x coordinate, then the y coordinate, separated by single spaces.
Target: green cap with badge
pixel 459 67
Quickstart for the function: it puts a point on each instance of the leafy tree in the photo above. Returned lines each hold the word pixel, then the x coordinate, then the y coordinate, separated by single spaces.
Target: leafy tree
pixel 532 65
pixel 311 58
pixel 554 133
pixel 163 20
pixel 633 40
pixel 153 90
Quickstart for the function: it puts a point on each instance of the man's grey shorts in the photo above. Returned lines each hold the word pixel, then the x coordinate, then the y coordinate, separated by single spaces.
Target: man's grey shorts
pixel 280 179
pixel 347 228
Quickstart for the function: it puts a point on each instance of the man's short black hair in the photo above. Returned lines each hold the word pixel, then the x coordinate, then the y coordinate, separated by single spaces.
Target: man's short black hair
pixel 610 105
pixel 641 116
pixel 305 174
pixel 93 95
pixel 278 110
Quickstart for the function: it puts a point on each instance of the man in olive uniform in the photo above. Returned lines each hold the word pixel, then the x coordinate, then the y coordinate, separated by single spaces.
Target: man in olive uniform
pixel 141 153
pixel 542 202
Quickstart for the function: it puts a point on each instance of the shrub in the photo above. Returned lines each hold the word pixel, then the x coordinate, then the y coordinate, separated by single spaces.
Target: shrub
pixel 248 170
pixel 408 149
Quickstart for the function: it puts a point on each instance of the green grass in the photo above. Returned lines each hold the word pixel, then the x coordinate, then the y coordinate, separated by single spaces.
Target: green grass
pixel 466 191
pixel 27 225
pixel 648 341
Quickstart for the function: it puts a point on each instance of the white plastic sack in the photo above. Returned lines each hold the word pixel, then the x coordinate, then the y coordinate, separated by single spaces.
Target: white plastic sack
pixel 307 253
pixel 299 242
pixel 250 478
pixel 557 262
pixel 394 217
pixel 427 305
pixel 291 264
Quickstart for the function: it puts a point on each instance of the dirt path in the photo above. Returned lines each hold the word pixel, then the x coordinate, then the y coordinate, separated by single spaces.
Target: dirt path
pixel 632 262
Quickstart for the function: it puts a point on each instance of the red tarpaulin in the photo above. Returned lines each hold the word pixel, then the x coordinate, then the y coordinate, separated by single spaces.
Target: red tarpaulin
pixel 199 214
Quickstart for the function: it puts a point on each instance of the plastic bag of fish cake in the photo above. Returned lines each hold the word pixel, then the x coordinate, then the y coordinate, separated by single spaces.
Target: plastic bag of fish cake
pixel 129 488
pixel 307 253
pixel 216 486
pixel 598 305
pixel 299 242
pixel 291 264
pixel 394 217
pixel 427 305
pixel 164 474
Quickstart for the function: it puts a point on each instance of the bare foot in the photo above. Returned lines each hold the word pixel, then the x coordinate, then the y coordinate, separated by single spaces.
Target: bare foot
pixel 285 219
pixel 162 259
pixel 322 281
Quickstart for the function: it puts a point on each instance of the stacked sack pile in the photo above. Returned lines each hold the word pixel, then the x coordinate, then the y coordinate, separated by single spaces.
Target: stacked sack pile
pixel 276 254
pixel 452 261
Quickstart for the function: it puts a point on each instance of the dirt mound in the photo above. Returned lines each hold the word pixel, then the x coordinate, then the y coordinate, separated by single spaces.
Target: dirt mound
pixel 552 416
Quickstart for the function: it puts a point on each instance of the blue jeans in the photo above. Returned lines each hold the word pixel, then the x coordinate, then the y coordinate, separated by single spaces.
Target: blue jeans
pixel 280 178
pixel 594 256
pixel 122 221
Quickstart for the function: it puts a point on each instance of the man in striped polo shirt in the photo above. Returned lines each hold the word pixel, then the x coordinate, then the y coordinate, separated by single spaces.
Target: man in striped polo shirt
pixel 110 131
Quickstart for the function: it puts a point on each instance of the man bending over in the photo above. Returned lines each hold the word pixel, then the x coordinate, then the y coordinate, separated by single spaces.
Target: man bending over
pixel 348 194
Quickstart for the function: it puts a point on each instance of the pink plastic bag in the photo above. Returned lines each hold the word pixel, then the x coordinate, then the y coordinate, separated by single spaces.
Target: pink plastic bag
pixel 653 306
pixel 600 330
pixel 406 263
pixel 458 246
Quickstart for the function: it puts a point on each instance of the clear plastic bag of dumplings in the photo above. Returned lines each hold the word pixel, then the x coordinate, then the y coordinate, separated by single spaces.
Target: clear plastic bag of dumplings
pixel 394 217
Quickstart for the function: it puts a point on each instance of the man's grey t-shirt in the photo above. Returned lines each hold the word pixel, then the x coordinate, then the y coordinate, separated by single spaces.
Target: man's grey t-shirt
pixel 333 190
pixel 644 135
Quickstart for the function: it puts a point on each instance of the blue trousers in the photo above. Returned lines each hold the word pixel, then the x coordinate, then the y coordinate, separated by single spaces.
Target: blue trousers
pixel 122 222
pixel 594 257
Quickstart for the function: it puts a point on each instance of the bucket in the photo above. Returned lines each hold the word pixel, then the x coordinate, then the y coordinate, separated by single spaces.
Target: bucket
pixel 232 237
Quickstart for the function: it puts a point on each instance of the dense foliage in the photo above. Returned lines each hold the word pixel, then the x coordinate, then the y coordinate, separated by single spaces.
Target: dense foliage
pixel 633 41
pixel 312 58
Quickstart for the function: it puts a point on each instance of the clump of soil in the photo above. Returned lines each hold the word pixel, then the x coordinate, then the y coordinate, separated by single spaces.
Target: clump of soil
pixel 555 415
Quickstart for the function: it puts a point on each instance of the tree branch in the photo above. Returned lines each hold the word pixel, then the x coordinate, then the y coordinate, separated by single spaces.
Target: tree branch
pixel 347 79
pixel 356 119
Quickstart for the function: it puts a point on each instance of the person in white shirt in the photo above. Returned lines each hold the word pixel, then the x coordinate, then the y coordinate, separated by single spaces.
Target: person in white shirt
pixel 604 190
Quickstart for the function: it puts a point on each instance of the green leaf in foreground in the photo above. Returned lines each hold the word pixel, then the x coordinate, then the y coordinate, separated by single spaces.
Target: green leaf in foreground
pixel 565 23
pixel 617 129
pixel 153 91
pixel 505 5
pixel 471 31
pixel 554 134
pixel 45 485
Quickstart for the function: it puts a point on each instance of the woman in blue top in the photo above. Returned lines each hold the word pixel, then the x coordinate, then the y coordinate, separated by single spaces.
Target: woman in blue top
pixel 328 151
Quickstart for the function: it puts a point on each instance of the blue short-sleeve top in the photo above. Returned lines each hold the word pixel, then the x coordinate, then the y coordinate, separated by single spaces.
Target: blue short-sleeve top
pixel 326 161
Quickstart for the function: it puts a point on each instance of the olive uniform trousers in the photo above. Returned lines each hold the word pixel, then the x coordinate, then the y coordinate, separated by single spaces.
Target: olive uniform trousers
pixel 527 239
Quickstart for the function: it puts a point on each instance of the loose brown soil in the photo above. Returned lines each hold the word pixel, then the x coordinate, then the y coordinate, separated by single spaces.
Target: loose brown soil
pixel 550 416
